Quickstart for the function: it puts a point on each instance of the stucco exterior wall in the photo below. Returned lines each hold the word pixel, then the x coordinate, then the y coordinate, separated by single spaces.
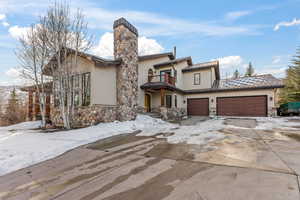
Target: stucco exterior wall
pixel 206 79
pixel 103 81
pixel 213 98
pixel 103 85
pixel 144 67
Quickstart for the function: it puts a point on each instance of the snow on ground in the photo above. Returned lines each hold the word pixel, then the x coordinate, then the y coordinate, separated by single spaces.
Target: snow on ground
pixel 20 146
pixel 202 133
pixel 268 123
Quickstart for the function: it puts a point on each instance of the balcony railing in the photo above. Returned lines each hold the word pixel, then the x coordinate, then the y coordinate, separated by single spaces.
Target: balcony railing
pixel 164 78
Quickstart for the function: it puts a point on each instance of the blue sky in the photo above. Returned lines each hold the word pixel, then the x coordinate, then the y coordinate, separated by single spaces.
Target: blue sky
pixel 266 33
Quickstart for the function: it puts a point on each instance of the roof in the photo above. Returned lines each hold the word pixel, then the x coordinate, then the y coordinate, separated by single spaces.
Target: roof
pixel 205 65
pixel 33 88
pixel 160 85
pixel 266 81
pixel 175 61
pixel 153 56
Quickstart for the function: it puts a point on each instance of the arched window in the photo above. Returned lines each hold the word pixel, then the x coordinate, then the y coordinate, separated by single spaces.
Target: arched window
pixel 150 72
pixel 150 75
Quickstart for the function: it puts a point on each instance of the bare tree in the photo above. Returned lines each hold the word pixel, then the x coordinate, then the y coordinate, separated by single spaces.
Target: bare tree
pixel 33 55
pixel 66 37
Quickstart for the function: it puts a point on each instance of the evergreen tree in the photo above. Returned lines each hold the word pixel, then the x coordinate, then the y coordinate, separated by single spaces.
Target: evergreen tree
pixel 236 74
pixel 249 70
pixel 12 114
pixel 291 91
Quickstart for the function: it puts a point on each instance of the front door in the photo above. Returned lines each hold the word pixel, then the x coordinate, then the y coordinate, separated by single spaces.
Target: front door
pixel 148 102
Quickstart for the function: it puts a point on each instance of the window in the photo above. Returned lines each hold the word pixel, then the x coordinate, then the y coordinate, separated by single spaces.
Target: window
pixel 80 89
pixel 162 75
pixel 150 75
pixel 175 75
pixel 169 101
pixel 175 99
pixel 76 89
pixel 86 89
pixel 197 79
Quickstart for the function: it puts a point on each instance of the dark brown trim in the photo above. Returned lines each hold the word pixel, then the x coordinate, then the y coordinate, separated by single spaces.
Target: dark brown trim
pixel 216 66
pixel 176 61
pixel 154 56
pixel 266 96
pixel 201 91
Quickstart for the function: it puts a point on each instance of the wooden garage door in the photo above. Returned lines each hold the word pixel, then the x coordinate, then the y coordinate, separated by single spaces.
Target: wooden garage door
pixel 242 106
pixel 198 107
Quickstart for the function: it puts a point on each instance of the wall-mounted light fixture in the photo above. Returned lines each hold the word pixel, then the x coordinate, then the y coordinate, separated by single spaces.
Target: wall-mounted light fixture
pixel 183 101
pixel 212 100
pixel 271 98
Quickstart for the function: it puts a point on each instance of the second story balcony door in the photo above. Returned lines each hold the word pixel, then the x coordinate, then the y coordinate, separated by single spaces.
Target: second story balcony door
pixel 163 76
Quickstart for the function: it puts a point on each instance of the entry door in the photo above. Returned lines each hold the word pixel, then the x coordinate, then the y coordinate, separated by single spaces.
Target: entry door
pixel 148 102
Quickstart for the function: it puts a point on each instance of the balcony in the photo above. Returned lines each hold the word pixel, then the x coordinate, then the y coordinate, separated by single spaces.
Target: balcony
pixel 163 78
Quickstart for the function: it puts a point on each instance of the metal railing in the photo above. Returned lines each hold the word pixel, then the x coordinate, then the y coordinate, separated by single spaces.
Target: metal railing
pixel 164 78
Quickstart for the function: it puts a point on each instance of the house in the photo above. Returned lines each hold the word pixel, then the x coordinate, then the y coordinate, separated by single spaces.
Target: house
pixel 116 89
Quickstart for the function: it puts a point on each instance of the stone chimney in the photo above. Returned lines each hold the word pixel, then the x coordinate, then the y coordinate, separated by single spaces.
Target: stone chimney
pixel 126 50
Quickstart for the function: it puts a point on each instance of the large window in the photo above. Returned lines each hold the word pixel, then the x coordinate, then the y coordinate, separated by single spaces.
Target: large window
pixel 197 79
pixel 80 89
pixel 86 89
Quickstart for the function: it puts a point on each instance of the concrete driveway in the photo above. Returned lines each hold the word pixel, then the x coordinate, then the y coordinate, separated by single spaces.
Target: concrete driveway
pixel 248 164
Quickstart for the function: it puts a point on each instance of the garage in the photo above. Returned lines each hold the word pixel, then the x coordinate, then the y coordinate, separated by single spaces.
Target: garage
pixel 198 107
pixel 255 106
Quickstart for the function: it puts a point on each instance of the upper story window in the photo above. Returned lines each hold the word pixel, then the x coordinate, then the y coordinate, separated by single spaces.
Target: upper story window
pixel 197 79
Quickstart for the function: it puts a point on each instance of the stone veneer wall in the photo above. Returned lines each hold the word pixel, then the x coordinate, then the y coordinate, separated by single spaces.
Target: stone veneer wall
pixel 87 115
pixel 126 49
pixel 172 113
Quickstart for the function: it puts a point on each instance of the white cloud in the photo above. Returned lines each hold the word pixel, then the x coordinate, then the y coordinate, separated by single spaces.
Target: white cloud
pixel 276 59
pixel 237 14
pixel 105 46
pixel 149 46
pixel 230 62
pixel 2 16
pixel 294 22
pixel 18 32
pixel 13 73
pixel 278 72
pixel 12 77
pixel 5 24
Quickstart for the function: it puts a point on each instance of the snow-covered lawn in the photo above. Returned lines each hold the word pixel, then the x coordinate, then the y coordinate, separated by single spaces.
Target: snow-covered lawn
pixel 21 146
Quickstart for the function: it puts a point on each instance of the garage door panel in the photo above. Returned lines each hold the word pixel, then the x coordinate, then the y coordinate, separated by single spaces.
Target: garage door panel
pixel 198 107
pixel 242 106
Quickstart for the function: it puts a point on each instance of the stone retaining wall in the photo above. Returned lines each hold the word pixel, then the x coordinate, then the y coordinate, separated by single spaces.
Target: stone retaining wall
pixel 87 115
pixel 172 113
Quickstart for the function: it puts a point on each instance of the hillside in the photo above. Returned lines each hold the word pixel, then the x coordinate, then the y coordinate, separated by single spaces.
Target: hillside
pixel 5 92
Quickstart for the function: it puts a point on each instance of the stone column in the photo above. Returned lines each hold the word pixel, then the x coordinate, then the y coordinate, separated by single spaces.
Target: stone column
pixel 126 50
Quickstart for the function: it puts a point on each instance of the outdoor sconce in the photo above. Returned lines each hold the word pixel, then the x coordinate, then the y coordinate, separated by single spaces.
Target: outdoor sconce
pixel 212 100
pixel 271 98
pixel 183 101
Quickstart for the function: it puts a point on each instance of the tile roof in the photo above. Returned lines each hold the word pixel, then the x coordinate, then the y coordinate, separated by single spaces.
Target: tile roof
pixel 266 81
pixel 248 82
